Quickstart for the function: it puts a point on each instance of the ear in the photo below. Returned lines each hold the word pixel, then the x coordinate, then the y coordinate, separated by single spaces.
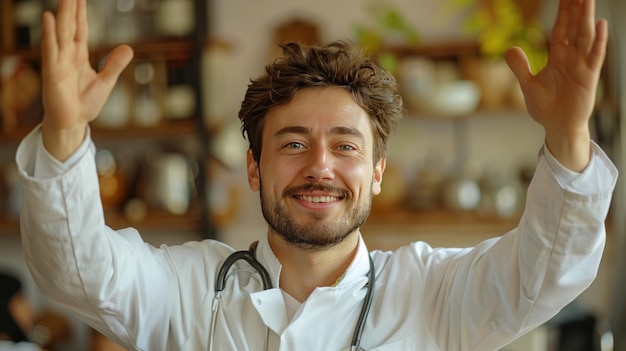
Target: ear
pixel 379 169
pixel 253 172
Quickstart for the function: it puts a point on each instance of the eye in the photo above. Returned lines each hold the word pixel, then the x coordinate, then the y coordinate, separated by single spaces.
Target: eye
pixel 346 147
pixel 294 145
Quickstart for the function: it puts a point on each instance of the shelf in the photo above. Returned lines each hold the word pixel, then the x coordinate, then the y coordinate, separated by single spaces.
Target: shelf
pixel 439 50
pixel 154 221
pixel 162 49
pixel 478 114
pixel 163 130
pixel 406 216
pixel 177 61
pixel 388 230
pixel 161 221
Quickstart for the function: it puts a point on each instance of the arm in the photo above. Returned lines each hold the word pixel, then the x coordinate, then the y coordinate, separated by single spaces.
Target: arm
pixel 73 93
pixel 504 287
pixel 484 297
pixel 561 97
pixel 113 280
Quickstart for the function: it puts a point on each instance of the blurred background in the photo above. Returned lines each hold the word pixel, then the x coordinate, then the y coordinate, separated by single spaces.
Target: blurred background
pixel 171 158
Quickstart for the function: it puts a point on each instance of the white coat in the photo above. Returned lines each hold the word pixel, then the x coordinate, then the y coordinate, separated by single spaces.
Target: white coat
pixel 149 298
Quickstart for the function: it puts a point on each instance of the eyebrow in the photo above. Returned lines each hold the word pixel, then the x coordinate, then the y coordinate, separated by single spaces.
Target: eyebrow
pixel 334 131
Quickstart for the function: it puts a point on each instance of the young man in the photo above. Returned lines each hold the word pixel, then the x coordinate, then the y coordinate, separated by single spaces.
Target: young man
pixel 317 121
pixel 17 316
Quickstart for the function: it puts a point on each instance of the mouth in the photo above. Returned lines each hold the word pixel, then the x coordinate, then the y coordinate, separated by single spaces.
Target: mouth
pixel 318 199
pixel 317 194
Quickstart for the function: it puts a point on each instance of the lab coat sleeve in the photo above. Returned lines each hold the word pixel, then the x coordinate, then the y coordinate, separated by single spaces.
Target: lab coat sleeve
pixel 112 279
pixel 484 297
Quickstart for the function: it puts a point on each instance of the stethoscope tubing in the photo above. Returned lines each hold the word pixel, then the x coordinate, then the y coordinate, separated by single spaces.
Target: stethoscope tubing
pixel 266 280
pixel 367 304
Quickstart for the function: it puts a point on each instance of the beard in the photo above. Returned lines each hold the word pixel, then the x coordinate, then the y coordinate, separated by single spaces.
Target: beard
pixel 315 234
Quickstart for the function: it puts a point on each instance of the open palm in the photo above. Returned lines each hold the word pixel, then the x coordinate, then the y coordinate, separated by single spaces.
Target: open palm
pixel 73 92
pixel 561 97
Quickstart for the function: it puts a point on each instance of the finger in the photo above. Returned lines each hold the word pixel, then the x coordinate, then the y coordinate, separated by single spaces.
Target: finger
pixel 117 61
pixel 562 23
pixel 586 27
pixel 82 28
pixel 598 50
pixel 66 22
pixel 49 46
pixel 519 64
pixel 573 20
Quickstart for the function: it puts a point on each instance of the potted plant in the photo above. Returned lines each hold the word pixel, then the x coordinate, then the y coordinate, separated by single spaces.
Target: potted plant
pixel 499 25
pixel 389 26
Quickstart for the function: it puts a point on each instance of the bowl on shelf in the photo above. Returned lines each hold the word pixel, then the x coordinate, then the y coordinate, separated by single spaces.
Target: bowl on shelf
pixel 449 99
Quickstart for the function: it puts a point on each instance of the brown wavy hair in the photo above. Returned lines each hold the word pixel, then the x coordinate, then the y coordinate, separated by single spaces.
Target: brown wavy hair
pixel 335 64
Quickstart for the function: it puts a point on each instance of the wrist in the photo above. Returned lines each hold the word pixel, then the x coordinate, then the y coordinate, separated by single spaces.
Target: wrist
pixel 61 143
pixel 571 151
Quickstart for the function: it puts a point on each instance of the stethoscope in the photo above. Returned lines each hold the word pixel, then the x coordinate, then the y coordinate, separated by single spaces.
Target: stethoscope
pixel 249 256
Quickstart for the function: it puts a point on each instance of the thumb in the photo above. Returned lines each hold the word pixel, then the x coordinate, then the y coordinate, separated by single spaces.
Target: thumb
pixel 518 63
pixel 116 62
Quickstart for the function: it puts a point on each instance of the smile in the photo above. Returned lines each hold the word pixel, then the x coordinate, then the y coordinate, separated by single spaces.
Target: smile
pixel 317 199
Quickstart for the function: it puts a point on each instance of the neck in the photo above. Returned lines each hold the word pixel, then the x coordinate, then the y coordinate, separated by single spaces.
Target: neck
pixel 304 270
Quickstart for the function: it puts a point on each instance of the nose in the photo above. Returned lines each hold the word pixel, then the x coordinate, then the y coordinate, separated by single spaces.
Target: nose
pixel 319 165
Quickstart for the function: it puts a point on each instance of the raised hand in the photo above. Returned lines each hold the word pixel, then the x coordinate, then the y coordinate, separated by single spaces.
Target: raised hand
pixel 562 96
pixel 73 92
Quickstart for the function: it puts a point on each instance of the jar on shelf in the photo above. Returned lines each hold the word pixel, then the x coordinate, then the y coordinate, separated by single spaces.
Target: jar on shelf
pixel 27 23
pixel 148 96
pixel 175 18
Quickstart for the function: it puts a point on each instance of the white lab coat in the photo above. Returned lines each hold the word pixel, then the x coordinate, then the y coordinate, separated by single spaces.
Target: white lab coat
pixel 149 298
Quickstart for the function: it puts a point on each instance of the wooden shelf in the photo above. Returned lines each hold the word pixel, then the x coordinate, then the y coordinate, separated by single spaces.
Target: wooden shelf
pixel 154 221
pixel 158 221
pixel 478 114
pixel 388 230
pixel 177 61
pixel 439 50
pixel 406 216
pixel 163 130
pixel 163 49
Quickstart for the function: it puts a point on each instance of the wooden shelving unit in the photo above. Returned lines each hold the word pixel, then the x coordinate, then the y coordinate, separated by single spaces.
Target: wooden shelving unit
pixel 179 58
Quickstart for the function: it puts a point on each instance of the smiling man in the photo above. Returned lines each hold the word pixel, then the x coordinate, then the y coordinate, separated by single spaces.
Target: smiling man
pixel 317 121
pixel 316 183
pixel 320 145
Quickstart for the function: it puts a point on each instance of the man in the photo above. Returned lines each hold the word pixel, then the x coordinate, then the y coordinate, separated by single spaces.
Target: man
pixel 17 316
pixel 317 122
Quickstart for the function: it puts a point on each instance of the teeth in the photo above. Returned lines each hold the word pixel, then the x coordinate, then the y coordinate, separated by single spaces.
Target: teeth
pixel 318 199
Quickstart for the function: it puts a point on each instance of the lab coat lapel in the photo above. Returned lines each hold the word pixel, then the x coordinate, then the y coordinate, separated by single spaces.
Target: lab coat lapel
pixel 271 308
pixel 270 304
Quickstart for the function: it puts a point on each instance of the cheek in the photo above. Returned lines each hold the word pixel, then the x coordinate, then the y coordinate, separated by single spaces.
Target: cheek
pixel 274 177
pixel 359 179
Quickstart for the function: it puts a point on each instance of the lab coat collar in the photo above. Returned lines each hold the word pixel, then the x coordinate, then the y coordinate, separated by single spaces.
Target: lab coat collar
pixel 357 270
pixel 270 304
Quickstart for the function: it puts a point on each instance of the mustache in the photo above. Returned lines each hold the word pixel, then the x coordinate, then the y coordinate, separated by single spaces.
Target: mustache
pixel 335 190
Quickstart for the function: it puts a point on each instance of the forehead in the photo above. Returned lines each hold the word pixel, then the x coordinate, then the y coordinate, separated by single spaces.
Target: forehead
pixel 319 109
